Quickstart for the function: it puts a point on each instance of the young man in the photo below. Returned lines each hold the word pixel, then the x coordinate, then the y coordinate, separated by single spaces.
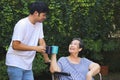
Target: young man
pixel 28 33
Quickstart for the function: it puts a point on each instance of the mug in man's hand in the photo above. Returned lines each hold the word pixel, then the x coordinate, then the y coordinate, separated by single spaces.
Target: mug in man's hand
pixel 48 49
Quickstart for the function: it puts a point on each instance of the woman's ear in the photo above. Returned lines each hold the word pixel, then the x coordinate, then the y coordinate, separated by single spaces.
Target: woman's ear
pixel 80 49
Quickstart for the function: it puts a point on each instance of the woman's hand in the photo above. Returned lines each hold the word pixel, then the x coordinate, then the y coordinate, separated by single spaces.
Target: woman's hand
pixel 89 76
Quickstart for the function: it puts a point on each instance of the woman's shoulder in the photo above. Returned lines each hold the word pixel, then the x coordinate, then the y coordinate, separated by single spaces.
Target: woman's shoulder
pixel 62 58
pixel 63 61
pixel 85 59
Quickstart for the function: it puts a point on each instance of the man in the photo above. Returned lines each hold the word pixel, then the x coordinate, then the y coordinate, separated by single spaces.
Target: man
pixel 28 33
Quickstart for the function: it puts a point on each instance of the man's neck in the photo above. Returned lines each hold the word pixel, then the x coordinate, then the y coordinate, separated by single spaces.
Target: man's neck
pixel 31 18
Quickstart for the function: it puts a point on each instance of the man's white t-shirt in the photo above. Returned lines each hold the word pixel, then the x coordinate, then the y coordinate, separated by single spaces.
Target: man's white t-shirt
pixel 28 34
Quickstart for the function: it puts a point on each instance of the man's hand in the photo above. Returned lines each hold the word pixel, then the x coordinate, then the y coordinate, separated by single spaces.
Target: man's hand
pixel 40 49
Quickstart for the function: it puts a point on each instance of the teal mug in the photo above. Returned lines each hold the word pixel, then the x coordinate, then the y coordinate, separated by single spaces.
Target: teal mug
pixel 54 49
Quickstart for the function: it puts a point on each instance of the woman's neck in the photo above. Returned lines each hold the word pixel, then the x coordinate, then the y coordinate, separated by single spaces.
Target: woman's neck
pixel 74 59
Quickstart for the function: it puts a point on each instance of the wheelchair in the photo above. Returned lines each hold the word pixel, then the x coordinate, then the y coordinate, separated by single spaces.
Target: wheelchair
pixel 56 75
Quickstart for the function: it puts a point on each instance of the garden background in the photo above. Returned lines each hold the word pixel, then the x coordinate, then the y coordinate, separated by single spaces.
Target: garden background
pixel 97 22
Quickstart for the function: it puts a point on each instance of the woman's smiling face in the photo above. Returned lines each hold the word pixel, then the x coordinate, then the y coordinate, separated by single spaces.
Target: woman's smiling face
pixel 74 46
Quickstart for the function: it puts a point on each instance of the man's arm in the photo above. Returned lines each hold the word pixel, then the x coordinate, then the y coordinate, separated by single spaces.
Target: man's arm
pixel 17 45
pixel 42 42
pixel 45 55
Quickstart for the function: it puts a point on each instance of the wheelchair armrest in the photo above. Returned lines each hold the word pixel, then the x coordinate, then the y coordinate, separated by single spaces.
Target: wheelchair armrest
pixel 62 73
pixel 100 75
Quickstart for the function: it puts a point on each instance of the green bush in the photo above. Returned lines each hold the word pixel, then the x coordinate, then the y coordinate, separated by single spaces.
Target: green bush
pixel 92 20
pixel 3 71
pixel 38 65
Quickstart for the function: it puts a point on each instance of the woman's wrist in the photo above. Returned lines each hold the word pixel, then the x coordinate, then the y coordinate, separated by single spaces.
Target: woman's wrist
pixel 89 75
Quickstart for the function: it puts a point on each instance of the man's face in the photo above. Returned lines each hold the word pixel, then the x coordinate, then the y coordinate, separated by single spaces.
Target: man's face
pixel 41 17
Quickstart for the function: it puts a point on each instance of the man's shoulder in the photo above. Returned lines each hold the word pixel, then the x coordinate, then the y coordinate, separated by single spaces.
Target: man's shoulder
pixel 39 24
pixel 22 20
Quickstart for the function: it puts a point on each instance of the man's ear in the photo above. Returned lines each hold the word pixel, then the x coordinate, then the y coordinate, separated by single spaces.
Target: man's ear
pixel 36 13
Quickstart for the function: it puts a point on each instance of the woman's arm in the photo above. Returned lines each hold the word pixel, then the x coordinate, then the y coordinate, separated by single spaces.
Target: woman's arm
pixel 54 66
pixel 94 69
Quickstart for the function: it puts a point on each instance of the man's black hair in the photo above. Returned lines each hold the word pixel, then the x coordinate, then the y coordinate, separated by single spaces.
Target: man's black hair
pixel 40 7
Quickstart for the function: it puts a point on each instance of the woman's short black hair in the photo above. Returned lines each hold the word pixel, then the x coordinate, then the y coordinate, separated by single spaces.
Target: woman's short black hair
pixel 39 7
pixel 81 45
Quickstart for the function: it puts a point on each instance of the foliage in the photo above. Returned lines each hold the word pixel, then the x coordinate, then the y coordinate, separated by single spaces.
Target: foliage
pixel 38 64
pixel 94 48
pixel 112 45
pixel 11 12
pixel 3 71
pixel 92 20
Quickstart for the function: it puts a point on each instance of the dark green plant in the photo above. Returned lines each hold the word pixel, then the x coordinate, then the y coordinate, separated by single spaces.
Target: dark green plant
pixel 95 48
pixel 92 20
pixel 111 45
pixel 38 65
pixel 3 71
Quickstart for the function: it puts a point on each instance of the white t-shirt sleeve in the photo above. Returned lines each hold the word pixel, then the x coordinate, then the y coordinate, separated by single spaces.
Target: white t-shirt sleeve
pixel 41 35
pixel 19 31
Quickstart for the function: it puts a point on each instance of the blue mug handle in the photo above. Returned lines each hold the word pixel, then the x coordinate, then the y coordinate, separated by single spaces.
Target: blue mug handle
pixel 48 49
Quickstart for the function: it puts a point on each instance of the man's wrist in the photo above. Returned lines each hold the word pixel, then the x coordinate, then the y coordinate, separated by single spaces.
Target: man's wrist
pixel 34 48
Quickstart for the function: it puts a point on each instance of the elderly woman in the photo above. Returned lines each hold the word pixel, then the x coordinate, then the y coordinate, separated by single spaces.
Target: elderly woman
pixel 79 68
